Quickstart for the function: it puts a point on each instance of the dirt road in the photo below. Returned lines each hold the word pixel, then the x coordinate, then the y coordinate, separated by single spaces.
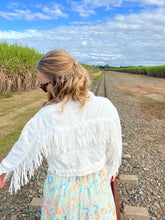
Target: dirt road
pixel 150 91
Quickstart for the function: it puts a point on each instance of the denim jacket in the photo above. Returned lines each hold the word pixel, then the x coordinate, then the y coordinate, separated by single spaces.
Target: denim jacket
pixel 74 144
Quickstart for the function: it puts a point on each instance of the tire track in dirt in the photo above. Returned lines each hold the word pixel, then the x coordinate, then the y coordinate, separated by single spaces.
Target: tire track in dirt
pixel 140 85
pixel 7 119
pixel 16 117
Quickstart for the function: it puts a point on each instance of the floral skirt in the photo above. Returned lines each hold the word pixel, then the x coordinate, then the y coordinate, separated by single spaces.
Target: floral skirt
pixel 78 198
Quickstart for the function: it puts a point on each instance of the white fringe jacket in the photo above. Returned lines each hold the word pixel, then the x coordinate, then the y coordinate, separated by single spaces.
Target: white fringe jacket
pixel 73 144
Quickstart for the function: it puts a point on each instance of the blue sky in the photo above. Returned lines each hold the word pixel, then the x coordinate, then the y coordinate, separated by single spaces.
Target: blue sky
pixel 97 32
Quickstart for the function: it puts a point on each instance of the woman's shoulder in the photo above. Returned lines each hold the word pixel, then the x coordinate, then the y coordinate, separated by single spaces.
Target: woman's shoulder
pixel 42 111
pixel 104 103
pixel 42 116
pixel 99 107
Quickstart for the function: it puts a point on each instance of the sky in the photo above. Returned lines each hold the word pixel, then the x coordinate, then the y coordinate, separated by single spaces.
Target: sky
pixel 95 32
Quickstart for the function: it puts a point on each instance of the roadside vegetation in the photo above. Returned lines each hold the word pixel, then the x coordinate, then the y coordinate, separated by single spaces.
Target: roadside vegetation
pixel 91 68
pixel 17 68
pixel 155 71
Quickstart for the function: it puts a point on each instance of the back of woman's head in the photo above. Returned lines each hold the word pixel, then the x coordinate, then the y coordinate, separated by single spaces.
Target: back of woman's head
pixel 68 77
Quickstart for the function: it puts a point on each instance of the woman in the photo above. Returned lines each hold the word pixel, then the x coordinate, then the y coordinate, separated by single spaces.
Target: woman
pixel 79 134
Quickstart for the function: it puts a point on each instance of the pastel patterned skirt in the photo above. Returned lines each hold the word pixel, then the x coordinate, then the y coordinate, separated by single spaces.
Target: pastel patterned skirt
pixel 78 198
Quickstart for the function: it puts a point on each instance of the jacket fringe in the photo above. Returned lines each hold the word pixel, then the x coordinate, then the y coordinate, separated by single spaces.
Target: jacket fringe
pixel 63 139
pixel 31 162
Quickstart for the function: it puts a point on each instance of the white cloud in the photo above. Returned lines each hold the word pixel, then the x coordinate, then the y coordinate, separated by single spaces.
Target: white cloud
pixel 13 5
pixel 20 35
pixel 84 43
pixel 39 5
pixel 82 22
pixel 135 39
pixel 47 13
pixel 150 2
pixel 100 3
pixel 82 9
pixel 154 2
pixel 87 7
pixel 54 12
pixel 23 14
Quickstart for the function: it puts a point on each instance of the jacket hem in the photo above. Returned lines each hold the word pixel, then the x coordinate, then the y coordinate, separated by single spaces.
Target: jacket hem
pixel 80 171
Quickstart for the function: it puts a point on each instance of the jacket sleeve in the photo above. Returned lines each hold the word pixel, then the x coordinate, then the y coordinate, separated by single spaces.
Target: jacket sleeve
pixel 114 147
pixel 25 156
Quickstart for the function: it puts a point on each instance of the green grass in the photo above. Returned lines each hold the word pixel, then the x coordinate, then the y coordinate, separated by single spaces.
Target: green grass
pixel 13 132
pixel 21 117
pixel 10 105
pixel 90 67
pixel 99 76
pixel 112 75
pixel 129 93
pixel 149 99
pixel 8 95
pixel 8 141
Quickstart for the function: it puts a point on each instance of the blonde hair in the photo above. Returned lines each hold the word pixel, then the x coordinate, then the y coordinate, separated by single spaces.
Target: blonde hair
pixel 68 77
